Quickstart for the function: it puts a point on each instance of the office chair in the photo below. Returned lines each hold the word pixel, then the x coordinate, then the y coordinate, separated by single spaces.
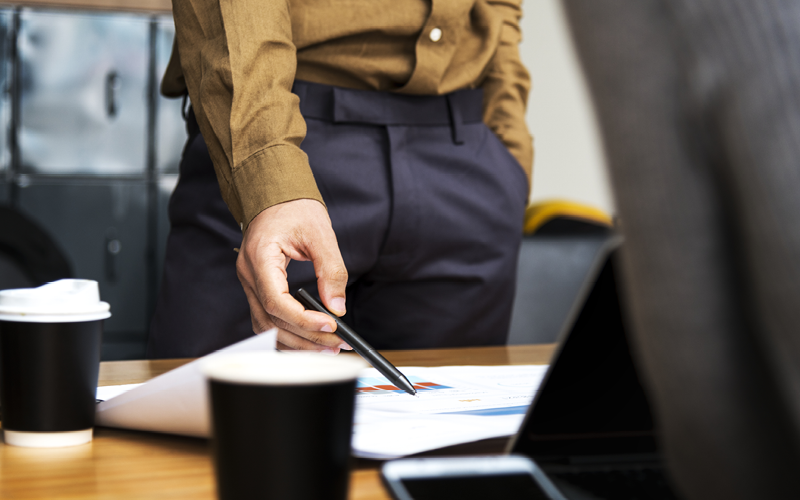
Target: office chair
pixel 561 242
pixel 29 257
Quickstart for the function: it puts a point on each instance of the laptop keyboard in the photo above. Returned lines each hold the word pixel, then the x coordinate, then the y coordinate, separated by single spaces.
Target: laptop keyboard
pixel 634 484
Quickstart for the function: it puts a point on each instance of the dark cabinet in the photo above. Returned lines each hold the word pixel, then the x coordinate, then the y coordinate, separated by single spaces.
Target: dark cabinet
pixel 97 149
pixel 103 229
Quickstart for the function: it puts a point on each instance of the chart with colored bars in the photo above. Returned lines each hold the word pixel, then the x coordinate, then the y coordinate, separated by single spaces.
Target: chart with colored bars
pixel 380 385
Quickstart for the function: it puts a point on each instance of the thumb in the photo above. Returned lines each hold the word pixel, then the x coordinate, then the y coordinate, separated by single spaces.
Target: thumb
pixel 331 279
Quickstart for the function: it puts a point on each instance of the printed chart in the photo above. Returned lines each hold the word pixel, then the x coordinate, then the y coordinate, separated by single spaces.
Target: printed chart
pixel 380 385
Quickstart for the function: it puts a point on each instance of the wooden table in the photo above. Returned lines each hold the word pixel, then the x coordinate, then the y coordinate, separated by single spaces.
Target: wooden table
pixel 122 464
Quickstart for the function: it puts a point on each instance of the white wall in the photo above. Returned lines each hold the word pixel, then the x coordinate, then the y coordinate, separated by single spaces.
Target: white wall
pixel 569 162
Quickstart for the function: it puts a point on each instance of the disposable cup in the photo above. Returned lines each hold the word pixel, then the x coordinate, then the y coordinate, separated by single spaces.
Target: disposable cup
pixel 50 339
pixel 282 424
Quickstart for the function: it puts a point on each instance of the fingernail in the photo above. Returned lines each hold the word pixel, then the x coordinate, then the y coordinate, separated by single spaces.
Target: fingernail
pixel 330 352
pixel 326 328
pixel 345 346
pixel 338 305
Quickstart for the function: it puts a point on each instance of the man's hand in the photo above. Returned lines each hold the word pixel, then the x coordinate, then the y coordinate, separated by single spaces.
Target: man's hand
pixel 295 230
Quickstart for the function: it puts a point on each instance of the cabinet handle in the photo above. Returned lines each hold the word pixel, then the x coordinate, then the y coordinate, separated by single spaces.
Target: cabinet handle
pixel 113 246
pixel 113 83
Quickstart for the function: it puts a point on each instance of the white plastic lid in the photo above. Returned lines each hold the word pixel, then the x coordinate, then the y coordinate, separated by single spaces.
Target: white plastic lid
pixel 280 368
pixel 62 301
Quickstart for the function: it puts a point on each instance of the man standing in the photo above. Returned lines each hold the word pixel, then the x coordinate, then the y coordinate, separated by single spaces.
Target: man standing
pixel 407 192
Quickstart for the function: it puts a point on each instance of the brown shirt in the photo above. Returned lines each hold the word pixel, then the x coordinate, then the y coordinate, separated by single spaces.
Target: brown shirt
pixel 238 59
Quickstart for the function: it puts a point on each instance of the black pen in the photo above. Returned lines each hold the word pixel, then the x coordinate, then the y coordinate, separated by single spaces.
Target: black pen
pixel 358 344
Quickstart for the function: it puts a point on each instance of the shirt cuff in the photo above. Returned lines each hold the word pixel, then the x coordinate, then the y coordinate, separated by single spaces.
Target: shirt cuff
pixel 274 175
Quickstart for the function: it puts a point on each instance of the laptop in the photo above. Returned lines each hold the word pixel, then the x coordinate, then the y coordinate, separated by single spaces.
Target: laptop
pixel 590 427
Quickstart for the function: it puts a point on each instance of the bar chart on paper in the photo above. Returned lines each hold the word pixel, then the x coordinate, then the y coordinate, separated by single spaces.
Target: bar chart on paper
pixel 380 385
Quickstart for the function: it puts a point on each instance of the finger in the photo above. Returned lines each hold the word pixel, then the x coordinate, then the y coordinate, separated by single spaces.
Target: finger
pixel 273 294
pixel 321 338
pixel 258 317
pixel 287 340
pixel 296 342
pixel 282 347
pixel 331 275
pixel 315 341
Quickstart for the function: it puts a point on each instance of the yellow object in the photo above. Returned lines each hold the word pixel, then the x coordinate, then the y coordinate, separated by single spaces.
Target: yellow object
pixel 538 214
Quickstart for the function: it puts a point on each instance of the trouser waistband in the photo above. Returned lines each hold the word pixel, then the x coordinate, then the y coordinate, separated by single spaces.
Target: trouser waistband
pixel 342 105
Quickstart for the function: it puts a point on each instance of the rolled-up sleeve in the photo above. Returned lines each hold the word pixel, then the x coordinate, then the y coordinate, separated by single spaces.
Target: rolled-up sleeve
pixel 506 87
pixel 239 64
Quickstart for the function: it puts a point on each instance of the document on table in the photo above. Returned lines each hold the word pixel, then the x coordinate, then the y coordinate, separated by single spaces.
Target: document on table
pixel 454 404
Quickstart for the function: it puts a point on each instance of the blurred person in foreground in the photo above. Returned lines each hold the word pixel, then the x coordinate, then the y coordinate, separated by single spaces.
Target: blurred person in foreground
pixel 699 105
pixel 374 152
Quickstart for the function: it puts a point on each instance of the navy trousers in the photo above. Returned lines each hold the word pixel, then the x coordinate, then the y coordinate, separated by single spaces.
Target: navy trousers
pixel 427 205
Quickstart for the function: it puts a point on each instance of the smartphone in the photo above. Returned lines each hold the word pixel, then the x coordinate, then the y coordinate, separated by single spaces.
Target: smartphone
pixel 510 477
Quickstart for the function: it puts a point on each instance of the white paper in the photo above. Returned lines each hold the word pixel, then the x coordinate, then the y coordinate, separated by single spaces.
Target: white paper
pixel 175 402
pixel 385 436
pixel 454 405
pixel 111 391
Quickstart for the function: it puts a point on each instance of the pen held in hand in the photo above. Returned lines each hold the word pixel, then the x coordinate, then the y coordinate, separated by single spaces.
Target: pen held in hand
pixel 358 344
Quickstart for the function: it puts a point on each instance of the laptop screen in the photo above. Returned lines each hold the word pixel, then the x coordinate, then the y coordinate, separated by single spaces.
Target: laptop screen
pixel 591 402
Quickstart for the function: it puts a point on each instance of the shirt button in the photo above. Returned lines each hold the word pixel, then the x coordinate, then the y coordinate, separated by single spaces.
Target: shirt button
pixel 435 35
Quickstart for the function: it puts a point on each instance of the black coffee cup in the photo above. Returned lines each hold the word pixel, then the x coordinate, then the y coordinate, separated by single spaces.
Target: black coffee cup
pixel 50 339
pixel 282 424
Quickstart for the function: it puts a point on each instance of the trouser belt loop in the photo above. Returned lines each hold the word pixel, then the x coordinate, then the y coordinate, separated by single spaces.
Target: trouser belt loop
pixel 456 121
